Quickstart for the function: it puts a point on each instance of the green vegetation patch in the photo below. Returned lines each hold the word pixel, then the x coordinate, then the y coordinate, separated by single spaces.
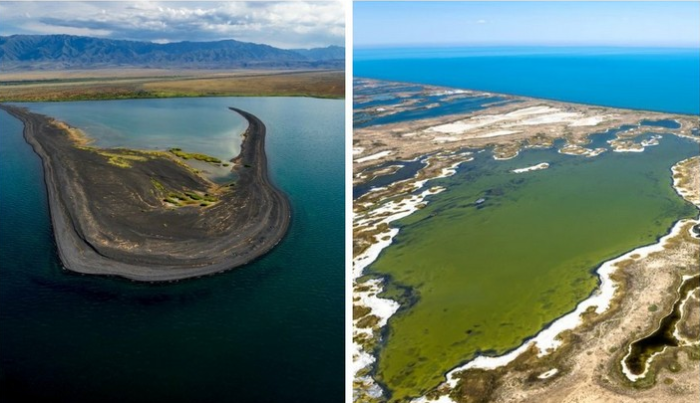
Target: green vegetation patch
pixel 190 198
pixel 180 199
pixel 478 387
pixel 159 186
pixel 360 311
pixel 368 321
pixel 195 156
pixel 123 159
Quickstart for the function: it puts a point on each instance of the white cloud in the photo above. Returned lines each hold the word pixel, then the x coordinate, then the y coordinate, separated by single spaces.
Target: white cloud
pixel 281 24
pixel 481 21
pixel 41 28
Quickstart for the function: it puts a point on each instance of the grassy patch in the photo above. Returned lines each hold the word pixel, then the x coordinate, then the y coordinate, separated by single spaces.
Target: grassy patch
pixel 477 387
pixel 191 198
pixel 159 186
pixel 195 156
pixel 368 321
pixel 360 311
pixel 121 160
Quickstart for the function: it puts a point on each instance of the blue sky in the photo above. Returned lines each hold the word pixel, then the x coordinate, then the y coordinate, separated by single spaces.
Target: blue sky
pixel 299 24
pixel 664 24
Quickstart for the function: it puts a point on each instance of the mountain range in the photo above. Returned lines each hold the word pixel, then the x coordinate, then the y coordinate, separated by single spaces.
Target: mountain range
pixel 57 52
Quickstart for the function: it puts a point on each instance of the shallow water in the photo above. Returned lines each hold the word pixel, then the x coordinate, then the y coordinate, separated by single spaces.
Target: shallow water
pixel 272 331
pixel 423 104
pixel 667 123
pixel 197 125
pixel 408 170
pixel 203 125
pixel 463 105
pixel 484 278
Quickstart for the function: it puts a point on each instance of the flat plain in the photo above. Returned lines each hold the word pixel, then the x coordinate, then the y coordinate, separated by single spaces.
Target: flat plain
pixel 72 85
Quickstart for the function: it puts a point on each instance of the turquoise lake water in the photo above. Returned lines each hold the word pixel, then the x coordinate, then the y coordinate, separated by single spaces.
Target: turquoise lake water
pixel 272 331
pixel 651 79
pixel 193 124
pixel 202 125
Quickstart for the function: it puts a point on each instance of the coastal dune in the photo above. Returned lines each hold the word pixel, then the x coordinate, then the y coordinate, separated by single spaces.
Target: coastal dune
pixel 110 217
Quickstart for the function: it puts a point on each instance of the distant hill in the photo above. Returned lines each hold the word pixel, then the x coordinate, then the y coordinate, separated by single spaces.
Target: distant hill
pixel 329 53
pixel 57 52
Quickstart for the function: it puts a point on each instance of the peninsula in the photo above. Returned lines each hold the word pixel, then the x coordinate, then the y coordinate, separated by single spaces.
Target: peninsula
pixel 147 216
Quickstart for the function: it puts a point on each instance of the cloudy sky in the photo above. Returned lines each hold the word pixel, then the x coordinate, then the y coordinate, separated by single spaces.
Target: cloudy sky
pixel 281 24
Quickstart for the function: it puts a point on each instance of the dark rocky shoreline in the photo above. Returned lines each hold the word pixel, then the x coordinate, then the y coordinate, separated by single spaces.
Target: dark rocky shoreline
pixel 111 220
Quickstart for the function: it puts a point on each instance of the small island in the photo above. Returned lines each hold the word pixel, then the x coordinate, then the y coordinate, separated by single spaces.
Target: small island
pixel 541 165
pixel 146 215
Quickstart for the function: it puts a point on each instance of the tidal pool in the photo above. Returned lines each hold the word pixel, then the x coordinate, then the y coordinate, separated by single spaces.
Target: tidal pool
pixel 480 278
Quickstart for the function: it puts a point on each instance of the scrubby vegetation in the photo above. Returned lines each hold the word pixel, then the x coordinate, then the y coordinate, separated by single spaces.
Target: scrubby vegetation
pixel 76 86
pixel 122 160
pixel 181 199
pixel 195 156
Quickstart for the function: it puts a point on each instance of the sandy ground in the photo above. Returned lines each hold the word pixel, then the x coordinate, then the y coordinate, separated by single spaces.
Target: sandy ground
pixel 509 127
pixel 686 179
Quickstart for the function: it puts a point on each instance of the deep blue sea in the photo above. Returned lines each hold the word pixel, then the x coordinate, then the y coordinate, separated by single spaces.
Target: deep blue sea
pixel 271 331
pixel 655 79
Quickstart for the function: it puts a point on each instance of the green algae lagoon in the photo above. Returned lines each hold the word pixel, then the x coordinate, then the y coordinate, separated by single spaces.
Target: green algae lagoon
pixel 480 278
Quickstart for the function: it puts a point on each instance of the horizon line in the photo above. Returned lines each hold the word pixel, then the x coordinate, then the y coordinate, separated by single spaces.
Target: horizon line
pixel 522 45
